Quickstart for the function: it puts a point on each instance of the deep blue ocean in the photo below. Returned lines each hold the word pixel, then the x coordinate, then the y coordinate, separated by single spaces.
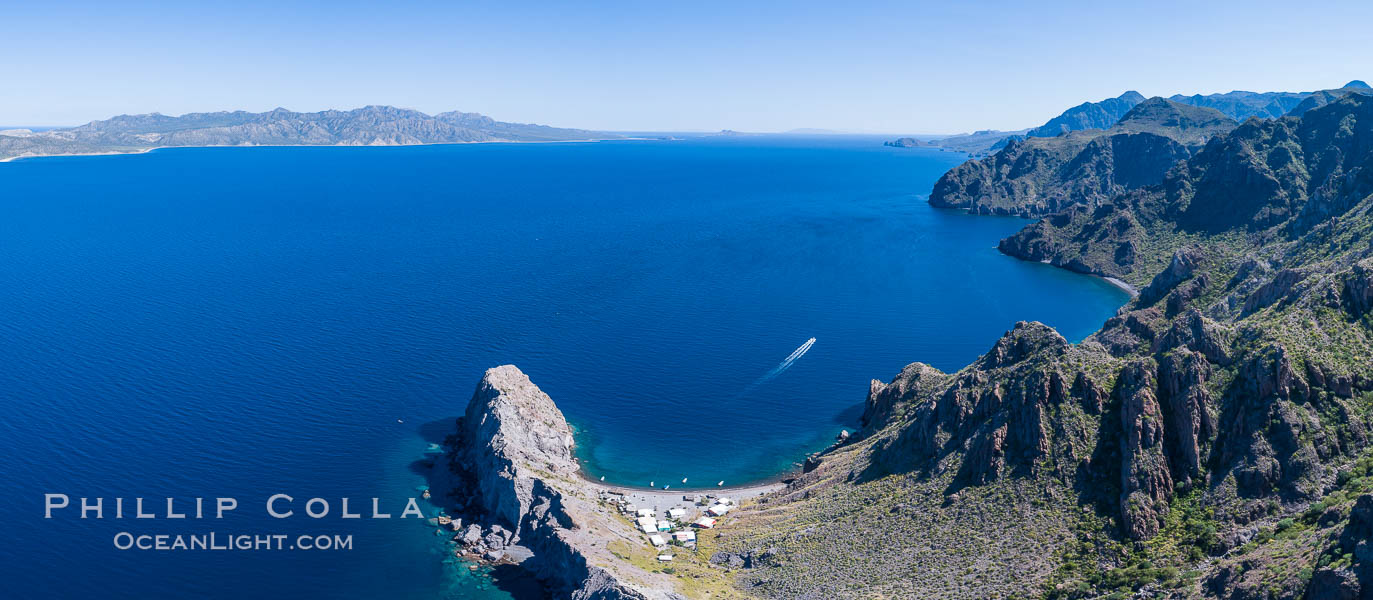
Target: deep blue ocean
pixel 245 321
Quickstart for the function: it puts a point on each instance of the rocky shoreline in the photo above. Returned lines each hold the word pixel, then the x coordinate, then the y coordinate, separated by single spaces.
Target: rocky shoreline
pixel 509 481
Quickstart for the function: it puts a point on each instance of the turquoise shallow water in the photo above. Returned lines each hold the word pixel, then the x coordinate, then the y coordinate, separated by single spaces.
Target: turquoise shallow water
pixel 242 322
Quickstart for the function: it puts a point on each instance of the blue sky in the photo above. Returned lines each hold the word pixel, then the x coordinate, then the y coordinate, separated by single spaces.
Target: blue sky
pixel 889 67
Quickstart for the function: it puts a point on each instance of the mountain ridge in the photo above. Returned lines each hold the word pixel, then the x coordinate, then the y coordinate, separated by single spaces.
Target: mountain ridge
pixel 1042 175
pixel 1238 105
pixel 371 125
pixel 1089 115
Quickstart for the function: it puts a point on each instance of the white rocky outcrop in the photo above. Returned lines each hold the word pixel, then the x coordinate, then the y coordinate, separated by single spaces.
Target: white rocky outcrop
pixel 514 453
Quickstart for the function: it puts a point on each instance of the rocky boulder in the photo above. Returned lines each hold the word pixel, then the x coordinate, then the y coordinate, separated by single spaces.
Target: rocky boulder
pixel 884 399
pixel 512 426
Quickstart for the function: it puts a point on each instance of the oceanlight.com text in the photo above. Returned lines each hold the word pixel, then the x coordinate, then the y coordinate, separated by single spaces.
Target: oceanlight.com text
pixel 217 541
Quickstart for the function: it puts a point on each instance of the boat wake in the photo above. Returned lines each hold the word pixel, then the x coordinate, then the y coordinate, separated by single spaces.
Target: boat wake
pixel 789 360
pixel 781 367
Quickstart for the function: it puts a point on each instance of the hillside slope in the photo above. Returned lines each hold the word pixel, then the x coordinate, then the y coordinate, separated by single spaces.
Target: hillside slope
pixel 1038 176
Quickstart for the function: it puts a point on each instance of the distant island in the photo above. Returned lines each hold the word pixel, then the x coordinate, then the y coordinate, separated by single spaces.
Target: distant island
pixel 906 142
pixel 368 126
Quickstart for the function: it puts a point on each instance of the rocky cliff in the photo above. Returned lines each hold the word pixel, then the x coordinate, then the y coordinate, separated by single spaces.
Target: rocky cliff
pixel 1037 176
pixel 510 470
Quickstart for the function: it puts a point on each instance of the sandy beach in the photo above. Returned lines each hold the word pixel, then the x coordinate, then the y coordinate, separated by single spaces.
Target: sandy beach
pixel 111 153
pixel 146 150
pixel 1122 285
pixel 659 500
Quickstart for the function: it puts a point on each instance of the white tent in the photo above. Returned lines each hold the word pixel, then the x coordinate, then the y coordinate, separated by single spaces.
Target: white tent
pixel 718 510
pixel 676 513
pixel 705 522
pixel 657 540
pixel 645 512
pixel 648 524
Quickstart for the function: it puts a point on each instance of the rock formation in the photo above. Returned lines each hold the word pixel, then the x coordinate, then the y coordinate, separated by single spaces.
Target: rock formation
pixel 510 463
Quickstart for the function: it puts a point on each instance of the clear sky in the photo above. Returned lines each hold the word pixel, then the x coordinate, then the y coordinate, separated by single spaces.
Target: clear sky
pixel 888 67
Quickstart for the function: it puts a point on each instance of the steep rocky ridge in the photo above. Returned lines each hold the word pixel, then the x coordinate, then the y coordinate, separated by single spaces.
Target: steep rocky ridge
pixel 1089 115
pixel 1038 176
pixel 509 465
pixel 1240 105
pixel 1268 178
pixel 1324 97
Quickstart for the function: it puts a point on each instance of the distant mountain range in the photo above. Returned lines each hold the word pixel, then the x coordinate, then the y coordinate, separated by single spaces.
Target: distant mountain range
pixel 1089 115
pixel 978 143
pixel 1324 97
pixel 368 126
pixel 1237 105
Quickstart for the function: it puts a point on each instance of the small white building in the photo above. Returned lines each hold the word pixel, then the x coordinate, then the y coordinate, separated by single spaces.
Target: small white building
pixel 684 536
pixel 705 522
pixel 664 525
pixel 648 524
pixel 664 557
pixel 676 513
pixel 657 540
pixel 718 510
pixel 645 512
